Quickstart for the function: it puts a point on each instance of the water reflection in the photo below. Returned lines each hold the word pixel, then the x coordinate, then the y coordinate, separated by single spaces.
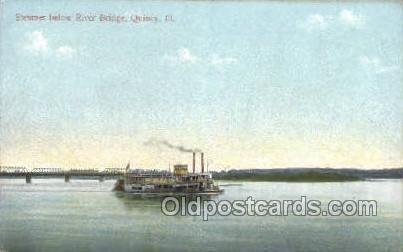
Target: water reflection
pixel 139 201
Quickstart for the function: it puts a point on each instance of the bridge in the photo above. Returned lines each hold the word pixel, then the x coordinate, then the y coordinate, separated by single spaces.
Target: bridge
pixel 12 172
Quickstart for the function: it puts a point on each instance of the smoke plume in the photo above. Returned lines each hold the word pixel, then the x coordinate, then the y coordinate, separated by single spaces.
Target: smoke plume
pixel 165 143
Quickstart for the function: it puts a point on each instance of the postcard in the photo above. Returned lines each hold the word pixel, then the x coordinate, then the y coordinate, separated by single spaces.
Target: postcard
pixel 201 125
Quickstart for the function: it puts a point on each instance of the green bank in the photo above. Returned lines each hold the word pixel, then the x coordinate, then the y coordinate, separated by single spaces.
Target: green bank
pixel 283 177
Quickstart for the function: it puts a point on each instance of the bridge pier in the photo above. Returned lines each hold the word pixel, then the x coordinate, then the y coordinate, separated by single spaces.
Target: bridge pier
pixel 28 178
pixel 67 178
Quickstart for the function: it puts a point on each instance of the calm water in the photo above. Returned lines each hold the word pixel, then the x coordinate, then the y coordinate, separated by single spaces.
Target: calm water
pixel 50 215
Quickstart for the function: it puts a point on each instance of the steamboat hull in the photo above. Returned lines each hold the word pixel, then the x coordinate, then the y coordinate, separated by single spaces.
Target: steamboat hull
pixel 167 189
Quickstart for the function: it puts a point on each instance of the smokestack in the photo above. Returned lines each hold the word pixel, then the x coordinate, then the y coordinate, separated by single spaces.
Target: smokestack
pixel 202 162
pixel 194 162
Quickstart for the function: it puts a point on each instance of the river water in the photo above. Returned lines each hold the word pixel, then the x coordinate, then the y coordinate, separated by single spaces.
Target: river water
pixel 51 215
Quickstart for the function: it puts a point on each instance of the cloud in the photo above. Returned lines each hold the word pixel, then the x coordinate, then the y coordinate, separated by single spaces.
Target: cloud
pixel 376 65
pixel 186 56
pixel 320 22
pixel 350 19
pixel 315 22
pixel 182 56
pixel 217 60
pixel 36 42
pixel 65 52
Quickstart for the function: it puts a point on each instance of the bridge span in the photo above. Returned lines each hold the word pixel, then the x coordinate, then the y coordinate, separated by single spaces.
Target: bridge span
pixel 12 172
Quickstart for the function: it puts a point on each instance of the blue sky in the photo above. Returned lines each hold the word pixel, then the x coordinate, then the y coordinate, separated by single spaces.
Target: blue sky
pixel 253 84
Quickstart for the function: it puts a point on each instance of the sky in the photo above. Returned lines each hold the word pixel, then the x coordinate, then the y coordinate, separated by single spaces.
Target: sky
pixel 252 84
